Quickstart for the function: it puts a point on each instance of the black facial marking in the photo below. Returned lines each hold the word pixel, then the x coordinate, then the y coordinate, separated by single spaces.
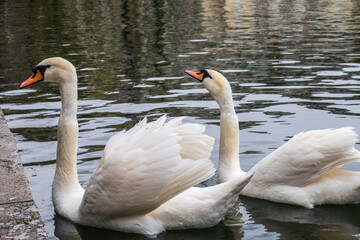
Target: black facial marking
pixel 42 69
pixel 206 74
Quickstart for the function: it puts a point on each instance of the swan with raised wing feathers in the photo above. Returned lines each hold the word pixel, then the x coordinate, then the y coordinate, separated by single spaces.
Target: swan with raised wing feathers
pixel 303 171
pixel 144 180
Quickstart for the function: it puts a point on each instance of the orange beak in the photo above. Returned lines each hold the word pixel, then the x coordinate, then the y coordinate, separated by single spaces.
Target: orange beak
pixel 36 77
pixel 198 76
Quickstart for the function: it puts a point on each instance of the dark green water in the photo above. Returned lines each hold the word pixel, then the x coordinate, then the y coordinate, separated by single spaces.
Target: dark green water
pixel 293 66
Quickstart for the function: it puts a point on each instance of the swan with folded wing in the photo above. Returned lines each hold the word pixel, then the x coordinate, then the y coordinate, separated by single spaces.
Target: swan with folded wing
pixel 303 171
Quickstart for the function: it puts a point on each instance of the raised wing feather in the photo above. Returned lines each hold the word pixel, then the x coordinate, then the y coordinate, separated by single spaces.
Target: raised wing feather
pixel 143 168
pixel 306 156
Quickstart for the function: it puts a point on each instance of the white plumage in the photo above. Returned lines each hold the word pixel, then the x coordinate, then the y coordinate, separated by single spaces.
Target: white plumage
pixel 144 180
pixel 303 171
pixel 146 162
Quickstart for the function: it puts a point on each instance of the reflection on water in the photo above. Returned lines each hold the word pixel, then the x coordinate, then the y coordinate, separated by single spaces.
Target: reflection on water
pixel 66 230
pixel 293 66
pixel 293 222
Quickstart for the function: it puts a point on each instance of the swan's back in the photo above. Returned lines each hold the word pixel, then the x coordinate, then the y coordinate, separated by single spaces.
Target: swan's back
pixel 306 156
pixel 304 171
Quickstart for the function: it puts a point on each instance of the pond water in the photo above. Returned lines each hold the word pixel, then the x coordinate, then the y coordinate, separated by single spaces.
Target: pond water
pixel 293 65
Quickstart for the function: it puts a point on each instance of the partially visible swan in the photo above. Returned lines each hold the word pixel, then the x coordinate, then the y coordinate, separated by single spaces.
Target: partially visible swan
pixel 303 171
pixel 144 180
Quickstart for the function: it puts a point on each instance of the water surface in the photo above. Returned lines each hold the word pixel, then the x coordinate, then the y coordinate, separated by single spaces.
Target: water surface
pixel 293 66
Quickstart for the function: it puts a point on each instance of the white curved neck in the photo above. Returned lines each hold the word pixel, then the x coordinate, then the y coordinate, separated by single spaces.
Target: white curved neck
pixel 229 165
pixel 67 133
pixel 66 186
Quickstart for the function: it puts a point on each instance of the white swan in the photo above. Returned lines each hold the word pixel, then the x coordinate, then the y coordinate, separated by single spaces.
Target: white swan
pixel 303 171
pixel 144 180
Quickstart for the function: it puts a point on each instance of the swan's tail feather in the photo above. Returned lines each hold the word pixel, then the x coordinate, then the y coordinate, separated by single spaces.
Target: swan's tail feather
pixel 240 182
pixel 228 192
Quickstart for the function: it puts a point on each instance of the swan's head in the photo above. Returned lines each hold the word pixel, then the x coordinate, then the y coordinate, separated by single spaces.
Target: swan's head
pixel 214 82
pixel 54 69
